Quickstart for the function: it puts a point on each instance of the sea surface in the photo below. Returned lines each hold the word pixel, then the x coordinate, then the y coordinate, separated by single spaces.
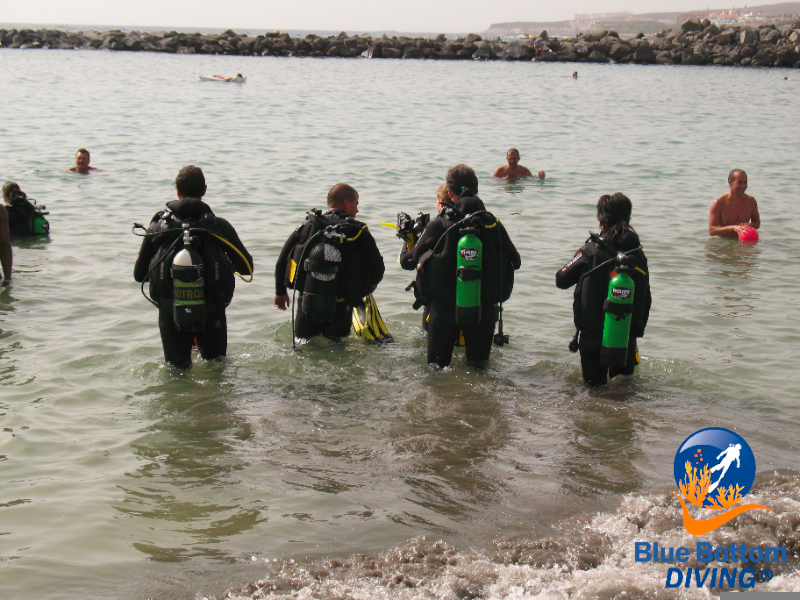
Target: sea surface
pixel 344 470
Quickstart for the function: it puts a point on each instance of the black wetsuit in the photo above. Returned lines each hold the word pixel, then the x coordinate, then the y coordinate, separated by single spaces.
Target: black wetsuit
pixel 592 293
pixel 212 342
pixel 364 268
pixel 442 328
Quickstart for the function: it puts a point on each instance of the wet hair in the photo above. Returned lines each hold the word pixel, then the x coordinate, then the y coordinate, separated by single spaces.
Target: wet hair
pixel 462 181
pixel 339 193
pixel 442 195
pixel 11 191
pixel 191 182
pixel 614 214
pixel 510 150
pixel 734 172
pixel 84 151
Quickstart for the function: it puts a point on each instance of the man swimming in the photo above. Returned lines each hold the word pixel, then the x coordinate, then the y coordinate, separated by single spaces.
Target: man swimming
pixel 82 159
pixel 514 170
pixel 735 211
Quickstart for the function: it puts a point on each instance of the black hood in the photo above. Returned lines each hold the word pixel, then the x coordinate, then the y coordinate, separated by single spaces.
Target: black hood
pixel 469 205
pixel 627 241
pixel 189 208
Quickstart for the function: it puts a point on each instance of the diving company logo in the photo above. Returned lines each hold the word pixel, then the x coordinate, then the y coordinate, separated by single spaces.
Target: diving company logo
pixel 469 253
pixel 714 469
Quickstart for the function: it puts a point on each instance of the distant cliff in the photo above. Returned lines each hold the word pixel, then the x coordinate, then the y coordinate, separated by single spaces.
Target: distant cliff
pixel 638 23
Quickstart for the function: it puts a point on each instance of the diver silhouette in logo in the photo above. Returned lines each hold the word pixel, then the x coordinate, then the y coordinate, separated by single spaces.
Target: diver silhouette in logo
pixel 730 454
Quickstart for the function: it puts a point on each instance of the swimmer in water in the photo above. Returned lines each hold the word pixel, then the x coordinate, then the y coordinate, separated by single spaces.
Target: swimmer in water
pixel 735 211
pixel 575 75
pixel 514 170
pixel 82 159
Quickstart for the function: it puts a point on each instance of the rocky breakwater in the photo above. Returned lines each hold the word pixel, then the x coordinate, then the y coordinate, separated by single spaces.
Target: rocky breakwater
pixel 695 43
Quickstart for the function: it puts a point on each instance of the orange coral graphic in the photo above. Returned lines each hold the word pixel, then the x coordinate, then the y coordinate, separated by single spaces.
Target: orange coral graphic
pixel 694 486
pixel 726 497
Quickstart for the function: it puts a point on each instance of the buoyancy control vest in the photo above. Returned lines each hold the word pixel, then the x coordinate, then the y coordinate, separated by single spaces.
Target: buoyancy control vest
pixel 437 268
pixel 349 280
pixel 591 290
pixel 25 217
pixel 218 269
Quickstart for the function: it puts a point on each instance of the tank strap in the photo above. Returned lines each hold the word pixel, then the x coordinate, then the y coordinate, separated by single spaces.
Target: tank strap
pixel 465 274
pixel 617 309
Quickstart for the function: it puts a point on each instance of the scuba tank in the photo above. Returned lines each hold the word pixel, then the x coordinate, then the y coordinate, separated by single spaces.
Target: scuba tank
pixel 189 301
pixel 39 225
pixel 618 309
pixel 469 271
pixel 323 264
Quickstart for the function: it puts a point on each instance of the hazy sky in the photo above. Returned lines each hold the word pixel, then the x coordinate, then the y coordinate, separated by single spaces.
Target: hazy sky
pixel 353 16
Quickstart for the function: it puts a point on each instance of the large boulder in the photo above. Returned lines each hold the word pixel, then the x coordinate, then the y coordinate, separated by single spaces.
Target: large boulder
pixel 665 58
pixel 619 50
pixel 472 38
pixel 764 58
pixel 516 51
pixel 748 51
pixel 483 52
pixel 390 53
pixel 691 25
pixel 644 55
pixel 748 36
pixel 725 37
pixel 547 56
pixel 596 56
pixel 769 36
pixel 674 33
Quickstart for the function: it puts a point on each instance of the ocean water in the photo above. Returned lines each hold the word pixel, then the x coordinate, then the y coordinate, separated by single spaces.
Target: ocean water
pixel 342 470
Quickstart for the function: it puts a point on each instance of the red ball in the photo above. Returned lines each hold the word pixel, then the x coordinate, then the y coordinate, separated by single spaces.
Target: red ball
pixel 748 235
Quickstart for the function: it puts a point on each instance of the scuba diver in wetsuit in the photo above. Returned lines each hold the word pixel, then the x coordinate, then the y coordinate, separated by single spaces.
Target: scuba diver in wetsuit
pixel 189 226
pixel 25 217
pixel 591 269
pixel 331 262
pixel 435 256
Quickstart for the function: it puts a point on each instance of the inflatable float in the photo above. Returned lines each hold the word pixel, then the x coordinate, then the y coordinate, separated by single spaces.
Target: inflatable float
pixel 748 234
pixel 237 79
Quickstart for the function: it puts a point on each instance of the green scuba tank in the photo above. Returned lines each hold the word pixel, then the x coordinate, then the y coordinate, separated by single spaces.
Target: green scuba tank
pixel 618 309
pixel 188 284
pixel 39 225
pixel 469 271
